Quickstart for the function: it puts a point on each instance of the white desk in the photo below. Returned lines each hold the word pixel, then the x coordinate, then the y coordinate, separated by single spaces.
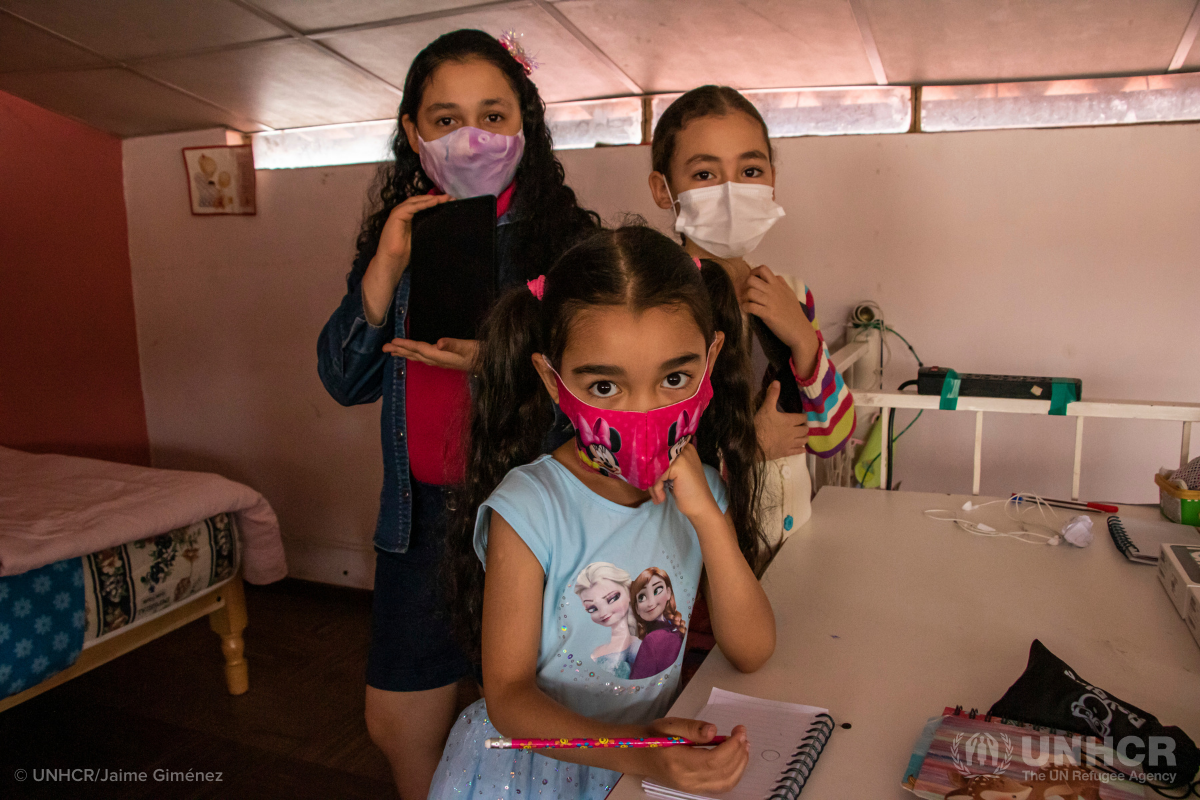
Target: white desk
pixel 885 617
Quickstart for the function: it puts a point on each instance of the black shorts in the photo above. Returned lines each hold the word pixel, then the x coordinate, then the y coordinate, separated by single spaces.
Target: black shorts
pixel 412 645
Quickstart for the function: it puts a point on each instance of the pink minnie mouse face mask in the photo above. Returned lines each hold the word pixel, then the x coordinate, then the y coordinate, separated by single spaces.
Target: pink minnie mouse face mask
pixel 470 162
pixel 635 446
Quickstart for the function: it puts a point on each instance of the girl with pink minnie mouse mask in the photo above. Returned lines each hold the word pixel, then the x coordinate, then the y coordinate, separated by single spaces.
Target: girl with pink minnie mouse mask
pixel 624 335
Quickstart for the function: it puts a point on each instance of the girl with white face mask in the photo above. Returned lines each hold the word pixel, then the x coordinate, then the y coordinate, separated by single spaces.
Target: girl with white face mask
pixel 712 161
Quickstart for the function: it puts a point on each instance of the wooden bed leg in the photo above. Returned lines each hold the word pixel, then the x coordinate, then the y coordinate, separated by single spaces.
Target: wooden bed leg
pixel 229 622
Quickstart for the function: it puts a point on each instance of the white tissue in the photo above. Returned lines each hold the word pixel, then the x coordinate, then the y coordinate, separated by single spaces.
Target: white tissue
pixel 1078 531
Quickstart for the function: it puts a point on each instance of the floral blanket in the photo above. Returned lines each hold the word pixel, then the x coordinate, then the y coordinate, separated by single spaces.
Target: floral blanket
pixel 48 613
pixel 136 581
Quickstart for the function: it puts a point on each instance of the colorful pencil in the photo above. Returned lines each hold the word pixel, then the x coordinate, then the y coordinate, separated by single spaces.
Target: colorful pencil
pixel 559 744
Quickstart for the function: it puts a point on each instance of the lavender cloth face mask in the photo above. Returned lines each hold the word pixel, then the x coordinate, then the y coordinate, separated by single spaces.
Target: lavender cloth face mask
pixel 470 162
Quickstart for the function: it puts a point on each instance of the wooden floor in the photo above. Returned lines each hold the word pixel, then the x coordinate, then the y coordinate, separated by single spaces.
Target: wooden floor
pixel 298 733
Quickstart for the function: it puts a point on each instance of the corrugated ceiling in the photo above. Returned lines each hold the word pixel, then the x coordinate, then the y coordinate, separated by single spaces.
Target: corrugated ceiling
pixel 138 67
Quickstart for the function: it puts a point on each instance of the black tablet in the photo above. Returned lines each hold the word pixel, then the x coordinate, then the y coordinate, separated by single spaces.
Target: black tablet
pixel 453 266
pixel 779 356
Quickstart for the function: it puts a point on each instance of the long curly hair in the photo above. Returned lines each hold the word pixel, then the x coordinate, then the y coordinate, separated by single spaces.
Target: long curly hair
pixel 636 267
pixel 548 214
pixel 671 612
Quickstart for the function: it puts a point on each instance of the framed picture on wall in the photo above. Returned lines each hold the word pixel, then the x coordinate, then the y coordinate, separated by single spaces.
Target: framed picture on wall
pixel 220 179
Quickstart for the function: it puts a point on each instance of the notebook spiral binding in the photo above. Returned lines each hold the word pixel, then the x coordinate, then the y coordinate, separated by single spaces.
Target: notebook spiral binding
pixel 1117 531
pixel 804 759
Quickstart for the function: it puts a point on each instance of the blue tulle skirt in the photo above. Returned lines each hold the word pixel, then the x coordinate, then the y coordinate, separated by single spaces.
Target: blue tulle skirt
pixel 467 770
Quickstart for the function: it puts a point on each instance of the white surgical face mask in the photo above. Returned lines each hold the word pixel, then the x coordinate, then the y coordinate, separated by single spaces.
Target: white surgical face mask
pixel 728 220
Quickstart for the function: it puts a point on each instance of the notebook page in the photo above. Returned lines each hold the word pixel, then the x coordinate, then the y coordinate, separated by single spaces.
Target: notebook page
pixel 774 730
pixel 1148 536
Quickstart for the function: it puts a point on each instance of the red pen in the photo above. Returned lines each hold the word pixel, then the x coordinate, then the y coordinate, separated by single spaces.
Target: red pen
pixel 1074 505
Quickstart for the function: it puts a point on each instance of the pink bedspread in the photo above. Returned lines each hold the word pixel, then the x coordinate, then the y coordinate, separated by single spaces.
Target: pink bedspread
pixel 55 507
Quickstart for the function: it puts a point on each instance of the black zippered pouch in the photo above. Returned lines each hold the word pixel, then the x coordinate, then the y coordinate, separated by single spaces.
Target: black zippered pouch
pixel 1050 693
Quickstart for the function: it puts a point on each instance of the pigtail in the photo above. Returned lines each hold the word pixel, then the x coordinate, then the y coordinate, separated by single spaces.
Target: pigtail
pixel 510 414
pixel 727 436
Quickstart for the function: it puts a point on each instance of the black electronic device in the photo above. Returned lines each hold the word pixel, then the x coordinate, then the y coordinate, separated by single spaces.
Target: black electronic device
pixel 1025 387
pixel 453 264
pixel 779 356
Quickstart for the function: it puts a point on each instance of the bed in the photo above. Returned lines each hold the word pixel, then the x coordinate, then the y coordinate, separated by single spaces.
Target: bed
pixel 98 558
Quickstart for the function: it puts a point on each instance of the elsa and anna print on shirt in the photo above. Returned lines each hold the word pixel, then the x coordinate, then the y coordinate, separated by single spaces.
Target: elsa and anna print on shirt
pixel 646 630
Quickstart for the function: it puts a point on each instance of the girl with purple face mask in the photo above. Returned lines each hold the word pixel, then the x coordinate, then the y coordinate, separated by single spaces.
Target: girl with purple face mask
pixel 470 123
pixel 623 335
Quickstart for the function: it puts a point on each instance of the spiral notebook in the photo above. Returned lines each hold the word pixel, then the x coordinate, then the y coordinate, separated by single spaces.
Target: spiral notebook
pixel 1141 540
pixel 785 742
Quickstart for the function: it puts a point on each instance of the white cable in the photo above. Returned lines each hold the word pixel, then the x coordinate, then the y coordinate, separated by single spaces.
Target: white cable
pixel 886 351
pixel 879 323
pixel 981 529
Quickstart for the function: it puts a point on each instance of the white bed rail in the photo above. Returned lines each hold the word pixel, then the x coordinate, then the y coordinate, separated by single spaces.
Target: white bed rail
pixel 1187 413
pixel 849 354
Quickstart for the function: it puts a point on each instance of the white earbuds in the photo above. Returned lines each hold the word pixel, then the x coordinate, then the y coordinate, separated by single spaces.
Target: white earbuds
pixel 1076 531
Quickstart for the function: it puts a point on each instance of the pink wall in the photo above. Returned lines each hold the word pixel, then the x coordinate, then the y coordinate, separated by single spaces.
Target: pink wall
pixel 1067 252
pixel 1060 252
pixel 228 311
pixel 69 376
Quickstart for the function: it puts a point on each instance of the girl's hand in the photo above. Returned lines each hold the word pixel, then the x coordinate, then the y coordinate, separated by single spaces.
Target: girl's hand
pixel 768 297
pixel 699 770
pixel 779 434
pixel 449 353
pixel 395 241
pixel 391 257
pixel 688 485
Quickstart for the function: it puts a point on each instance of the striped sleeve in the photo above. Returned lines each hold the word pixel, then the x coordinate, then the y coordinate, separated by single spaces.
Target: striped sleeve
pixel 825 397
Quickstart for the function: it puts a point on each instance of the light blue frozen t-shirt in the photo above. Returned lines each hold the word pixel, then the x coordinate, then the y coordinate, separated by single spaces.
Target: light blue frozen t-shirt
pixel 619 587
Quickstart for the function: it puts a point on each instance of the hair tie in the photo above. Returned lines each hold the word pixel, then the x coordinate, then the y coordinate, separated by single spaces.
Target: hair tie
pixel 537 286
pixel 509 39
pixel 697 262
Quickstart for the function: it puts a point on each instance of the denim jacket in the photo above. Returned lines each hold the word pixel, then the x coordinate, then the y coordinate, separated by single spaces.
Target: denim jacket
pixel 355 370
